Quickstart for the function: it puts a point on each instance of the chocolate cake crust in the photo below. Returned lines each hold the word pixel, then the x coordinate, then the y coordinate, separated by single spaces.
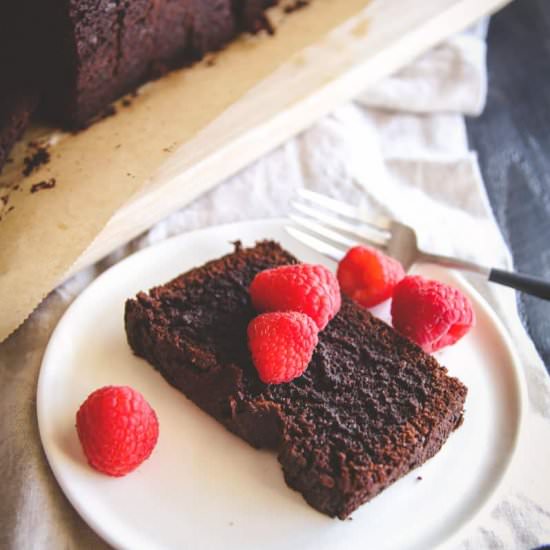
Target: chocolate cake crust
pixel 370 407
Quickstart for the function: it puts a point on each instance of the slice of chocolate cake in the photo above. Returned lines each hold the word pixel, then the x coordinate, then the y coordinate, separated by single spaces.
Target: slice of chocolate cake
pixel 370 407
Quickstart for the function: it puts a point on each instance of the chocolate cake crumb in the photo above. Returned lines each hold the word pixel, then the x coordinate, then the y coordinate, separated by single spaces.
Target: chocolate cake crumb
pixel 126 102
pixel 419 478
pixel 210 60
pixel 41 185
pixel 297 5
pixel 5 199
pixel 262 23
pixel 40 157
pixel 268 26
pixel 170 148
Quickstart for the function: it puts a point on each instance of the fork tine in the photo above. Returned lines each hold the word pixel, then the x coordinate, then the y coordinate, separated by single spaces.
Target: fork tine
pixel 345 238
pixel 332 252
pixel 378 238
pixel 320 230
pixel 339 207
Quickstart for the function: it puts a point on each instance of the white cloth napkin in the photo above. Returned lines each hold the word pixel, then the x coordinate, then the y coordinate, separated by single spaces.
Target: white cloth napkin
pixel 401 150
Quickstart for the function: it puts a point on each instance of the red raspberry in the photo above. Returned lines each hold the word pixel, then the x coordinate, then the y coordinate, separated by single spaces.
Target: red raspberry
pixel 430 313
pixel 306 288
pixel 368 276
pixel 117 428
pixel 281 345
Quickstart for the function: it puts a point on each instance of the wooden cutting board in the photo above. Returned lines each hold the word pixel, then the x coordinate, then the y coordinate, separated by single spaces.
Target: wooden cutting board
pixel 373 44
pixel 192 129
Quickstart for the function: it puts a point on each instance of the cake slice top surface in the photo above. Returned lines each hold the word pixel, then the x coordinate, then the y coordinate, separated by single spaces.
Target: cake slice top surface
pixel 367 394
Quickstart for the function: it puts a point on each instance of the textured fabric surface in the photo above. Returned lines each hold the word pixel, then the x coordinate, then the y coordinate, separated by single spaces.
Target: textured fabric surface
pixel 400 150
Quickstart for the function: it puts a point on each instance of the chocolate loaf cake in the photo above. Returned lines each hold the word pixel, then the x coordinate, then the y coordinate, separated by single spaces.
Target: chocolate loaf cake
pixel 371 406
pixel 80 55
pixel 106 48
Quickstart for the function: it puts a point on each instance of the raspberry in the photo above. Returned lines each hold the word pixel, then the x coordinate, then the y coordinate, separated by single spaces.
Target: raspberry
pixel 306 288
pixel 281 345
pixel 117 429
pixel 430 313
pixel 368 276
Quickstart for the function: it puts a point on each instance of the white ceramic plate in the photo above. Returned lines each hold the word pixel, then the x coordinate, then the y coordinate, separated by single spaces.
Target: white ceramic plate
pixel 204 488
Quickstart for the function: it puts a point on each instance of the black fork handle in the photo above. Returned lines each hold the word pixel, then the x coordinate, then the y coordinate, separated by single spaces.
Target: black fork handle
pixel 525 283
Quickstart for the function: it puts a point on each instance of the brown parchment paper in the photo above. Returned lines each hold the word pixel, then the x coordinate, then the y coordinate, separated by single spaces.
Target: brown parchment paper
pixel 98 170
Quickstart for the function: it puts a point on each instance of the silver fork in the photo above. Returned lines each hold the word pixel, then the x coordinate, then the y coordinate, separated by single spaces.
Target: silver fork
pixel 332 227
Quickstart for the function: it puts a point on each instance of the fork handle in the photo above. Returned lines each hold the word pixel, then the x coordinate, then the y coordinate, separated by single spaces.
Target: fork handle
pixel 526 283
